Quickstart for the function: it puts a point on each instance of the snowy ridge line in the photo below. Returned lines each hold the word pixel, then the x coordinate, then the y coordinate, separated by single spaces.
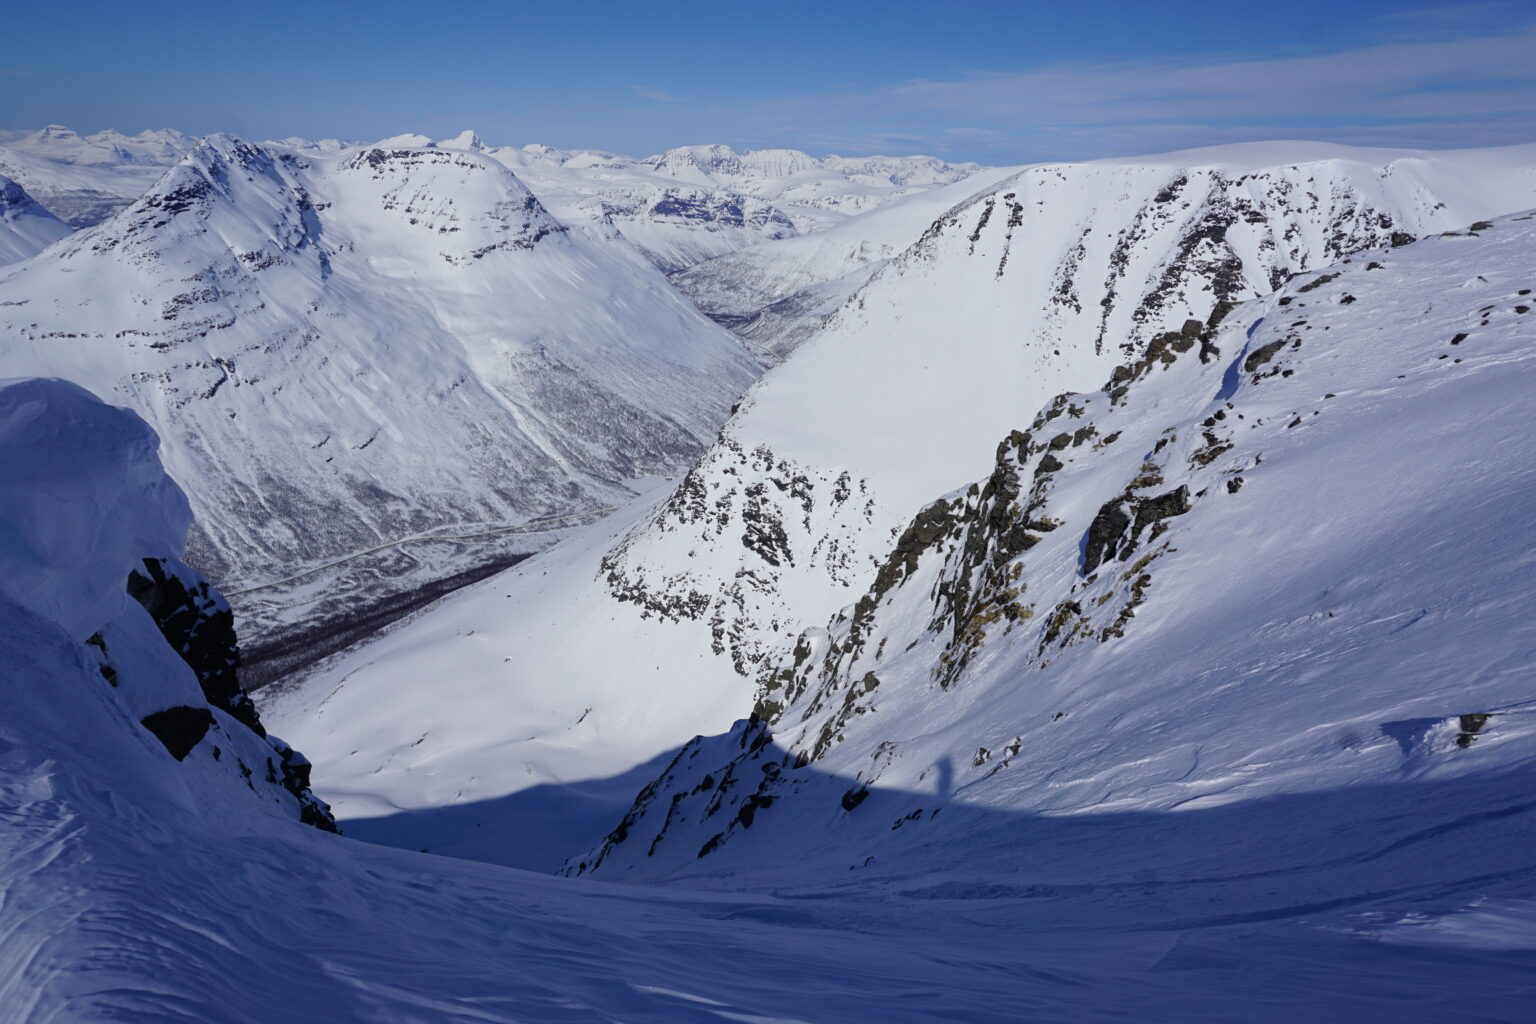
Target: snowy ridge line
pixel 520 529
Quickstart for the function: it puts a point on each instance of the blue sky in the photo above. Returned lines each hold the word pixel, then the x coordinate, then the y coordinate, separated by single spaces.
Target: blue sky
pixel 994 82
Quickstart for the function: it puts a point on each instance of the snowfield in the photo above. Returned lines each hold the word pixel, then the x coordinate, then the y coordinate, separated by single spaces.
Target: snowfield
pixel 1116 603
pixel 1285 826
pixel 84 179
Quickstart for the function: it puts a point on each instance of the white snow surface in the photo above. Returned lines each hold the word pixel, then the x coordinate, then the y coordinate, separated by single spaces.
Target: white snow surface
pixel 1277 661
pixel 84 179
pixel 1040 285
pixel 705 591
pixel 691 204
pixel 83 500
pixel 340 352
pixel 25 227
pixel 1384 874
pixel 778 293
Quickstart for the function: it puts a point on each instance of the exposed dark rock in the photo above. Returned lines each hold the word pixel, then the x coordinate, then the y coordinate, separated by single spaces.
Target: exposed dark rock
pixel 1259 356
pixel 1470 725
pixel 1151 510
pixel 200 627
pixel 1104 534
pixel 180 728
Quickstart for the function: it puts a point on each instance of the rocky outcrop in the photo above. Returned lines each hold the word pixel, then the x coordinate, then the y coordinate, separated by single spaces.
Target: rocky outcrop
pixel 198 624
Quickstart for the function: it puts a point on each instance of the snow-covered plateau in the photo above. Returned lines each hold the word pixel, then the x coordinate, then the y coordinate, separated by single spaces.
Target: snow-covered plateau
pixel 1114 603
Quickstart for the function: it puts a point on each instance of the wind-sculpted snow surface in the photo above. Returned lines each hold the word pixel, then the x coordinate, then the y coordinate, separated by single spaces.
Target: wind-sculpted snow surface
pixel 1247 629
pixel 25 227
pixel 344 352
pixel 138 887
pixel 1042 284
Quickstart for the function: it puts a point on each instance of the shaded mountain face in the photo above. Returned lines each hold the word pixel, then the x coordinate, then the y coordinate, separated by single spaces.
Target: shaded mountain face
pixel 1281 552
pixel 342 352
pixel 1042 284
pixel 25 227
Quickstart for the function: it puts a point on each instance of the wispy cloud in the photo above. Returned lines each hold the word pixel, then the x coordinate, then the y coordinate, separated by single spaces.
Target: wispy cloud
pixel 646 92
pixel 1441 91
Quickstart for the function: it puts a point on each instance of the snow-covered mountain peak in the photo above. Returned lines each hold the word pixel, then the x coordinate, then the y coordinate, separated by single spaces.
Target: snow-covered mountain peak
pixel 405 334
pixel 467 139
pixel 409 140
pixel 473 204
pixel 25 227
pixel 696 163
pixel 107 148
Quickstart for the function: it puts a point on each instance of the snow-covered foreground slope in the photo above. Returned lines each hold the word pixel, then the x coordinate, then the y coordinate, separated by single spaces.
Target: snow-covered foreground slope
pixel 26 229
pixel 84 179
pixel 341 353
pixel 137 888
pixel 1247 630
pixel 1040 285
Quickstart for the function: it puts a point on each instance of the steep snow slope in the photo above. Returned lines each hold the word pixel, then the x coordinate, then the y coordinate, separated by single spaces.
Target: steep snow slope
pixel 134 887
pixel 92 589
pixel 1251 628
pixel 1039 285
pixel 342 353
pixel 25 227
pixel 83 180
pixel 776 294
